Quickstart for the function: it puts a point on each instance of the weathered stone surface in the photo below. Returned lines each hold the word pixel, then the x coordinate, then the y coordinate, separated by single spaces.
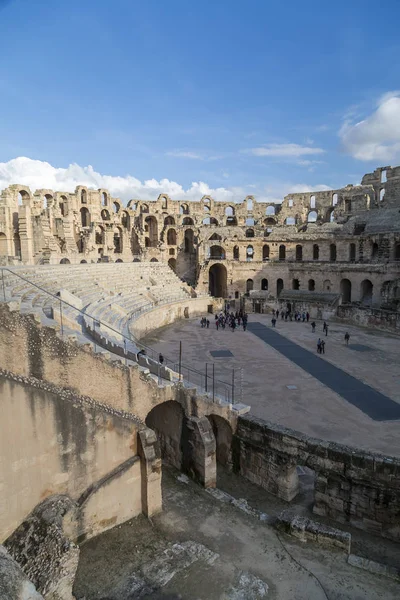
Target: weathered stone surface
pixel 14 585
pixel 43 551
pixel 308 530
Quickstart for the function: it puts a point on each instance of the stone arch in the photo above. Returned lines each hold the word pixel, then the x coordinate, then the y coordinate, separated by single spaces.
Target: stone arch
pixel 184 209
pixel 269 221
pixel 236 253
pixel 282 252
pixel 334 199
pixel 144 208
pixel 249 285
pixel 223 438
pixel 117 240
pixel 290 221
pixel 332 252
pixel 154 260
pixel 249 253
pixel 213 221
pixel 63 205
pixel 352 252
pixel 217 253
pixel 116 207
pixel 104 199
pixel 270 210
pixel 366 292
pixel 169 221
pixel 152 229
pixel 279 287
pixel 231 221
pixel 295 284
pixel 327 285
pixel 83 197
pixel 299 252
pixel 215 237
pixel 375 251
pixel 172 264
pixel 48 201
pixel 312 202
pixel 312 216
pixel 168 421
pixel 187 221
pixel 382 195
pixel 171 237
pixel 83 262
pixel 189 241
pixel 217 281
pixel 85 217
pixel 266 252
pixel 105 215
pixel 249 233
pixel 264 284
pixel 119 260
pixel 3 245
pixel 229 211
pixel 125 220
pixel 65 261
pixel 135 245
pixel 315 252
pixel 164 201
pixel 23 198
pixel 17 245
pixel 345 290
pixel 311 285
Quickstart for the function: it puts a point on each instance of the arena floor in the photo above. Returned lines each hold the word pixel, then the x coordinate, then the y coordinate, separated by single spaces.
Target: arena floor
pixel 278 389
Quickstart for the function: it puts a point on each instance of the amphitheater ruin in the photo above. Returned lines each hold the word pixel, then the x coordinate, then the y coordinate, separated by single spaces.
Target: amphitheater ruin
pixel 90 411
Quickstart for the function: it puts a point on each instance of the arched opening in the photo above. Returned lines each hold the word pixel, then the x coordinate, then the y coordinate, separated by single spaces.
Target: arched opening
pixel 249 233
pixel 3 245
pixel 249 204
pixel 236 252
pixel 104 199
pixel 295 284
pixel 17 245
pixel 290 221
pixel 48 201
pixel 332 252
pixel 311 285
pixel 117 239
pixel 187 221
pixel 105 215
pixel 164 202
pixel 249 253
pixel 217 253
pixel 383 176
pixel 85 217
pixel 144 208
pixel 213 221
pixel 352 253
pixel 312 202
pixel 184 209
pixel 374 251
pixel 264 285
pixel 249 285
pixel 223 440
pixel 125 220
pixel 266 252
pixel 189 237
pixel 327 285
pixel 397 252
pixel 345 290
pixel 116 207
pixel 299 252
pixel 153 260
pixel 215 237
pixel 231 221
pixel 347 205
pixel 169 221
pixel 229 211
pixel 269 221
pixel 65 261
pixel 270 210
pixel 119 260
pixel 312 216
pixel 206 221
pixel 250 222
pixel 334 199
pixel 83 262
pixel 63 206
pixel 382 195
pixel 152 230
pixel 81 245
pixel 315 252
pixel 171 252
pixel 171 237
pixel 366 292
pixel 83 197
pixel 236 295
pixel 136 260
pixel 290 202
pixel 279 287
pixel 23 198
pixel 217 279
pixel 168 421
pixel 172 264
pixel 135 245
pixel 282 252
pixel 268 231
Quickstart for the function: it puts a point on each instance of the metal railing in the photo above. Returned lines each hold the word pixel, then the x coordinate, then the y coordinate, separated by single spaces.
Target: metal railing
pixel 205 380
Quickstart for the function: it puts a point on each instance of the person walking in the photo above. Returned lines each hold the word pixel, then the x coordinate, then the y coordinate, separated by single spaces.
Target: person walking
pixel 307 316
pixel 346 338
pixel 313 326
pixel 322 347
pixel 273 321
pixel 208 323
pixel 326 329
pixel 319 346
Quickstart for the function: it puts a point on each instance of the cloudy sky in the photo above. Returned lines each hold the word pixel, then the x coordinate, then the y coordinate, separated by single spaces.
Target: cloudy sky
pixel 227 97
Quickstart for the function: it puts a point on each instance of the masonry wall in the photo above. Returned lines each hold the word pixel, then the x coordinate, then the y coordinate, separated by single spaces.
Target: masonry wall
pixel 50 444
pixel 350 486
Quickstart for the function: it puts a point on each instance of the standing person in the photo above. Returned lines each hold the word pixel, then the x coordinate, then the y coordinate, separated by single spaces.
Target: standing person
pixel 326 329
pixel 217 323
pixel 307 316
pixel 277 313
pixel 313 326
pixel 319 346
pixel 346 338
pixel 160 359
pixel 233 324
pixel 322 347
pixel 208 323
pixel 273 321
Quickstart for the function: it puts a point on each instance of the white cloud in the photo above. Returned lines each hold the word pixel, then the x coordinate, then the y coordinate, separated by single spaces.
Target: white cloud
pixel 285 150
pixel 378 136
pixel 183 154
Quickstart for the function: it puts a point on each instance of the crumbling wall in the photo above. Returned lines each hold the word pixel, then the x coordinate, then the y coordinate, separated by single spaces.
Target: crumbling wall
pixel 351 486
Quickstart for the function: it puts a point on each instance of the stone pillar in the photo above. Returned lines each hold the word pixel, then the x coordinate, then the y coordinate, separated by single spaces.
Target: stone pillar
pixel 25 234
pixel 150 462
pixel 199 451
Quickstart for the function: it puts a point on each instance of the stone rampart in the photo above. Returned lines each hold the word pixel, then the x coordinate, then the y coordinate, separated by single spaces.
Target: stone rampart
pixel 351 486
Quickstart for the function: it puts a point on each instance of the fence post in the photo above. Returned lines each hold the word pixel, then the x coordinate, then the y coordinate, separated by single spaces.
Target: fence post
pixel 213 395
pixel 61 319
pixel 206 376
pixel 233 386
pixel 180 361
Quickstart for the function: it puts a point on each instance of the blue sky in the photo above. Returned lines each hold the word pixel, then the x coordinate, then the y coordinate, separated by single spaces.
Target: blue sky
pixel 228 97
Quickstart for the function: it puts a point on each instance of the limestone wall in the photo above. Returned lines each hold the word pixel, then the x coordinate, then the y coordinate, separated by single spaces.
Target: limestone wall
pixel 369 317
pixel 350 486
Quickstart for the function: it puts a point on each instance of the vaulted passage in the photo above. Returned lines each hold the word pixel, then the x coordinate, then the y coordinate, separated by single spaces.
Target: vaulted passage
pixel 374 404
pixel 167 420
pixel 217 281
